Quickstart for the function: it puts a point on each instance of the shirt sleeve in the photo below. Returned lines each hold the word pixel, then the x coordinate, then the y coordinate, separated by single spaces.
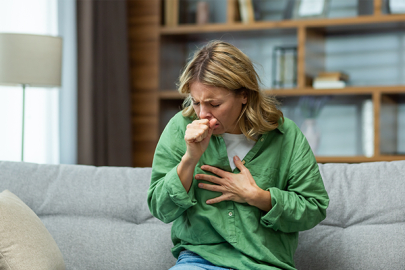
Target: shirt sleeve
pixel 167 198
pixel 303 204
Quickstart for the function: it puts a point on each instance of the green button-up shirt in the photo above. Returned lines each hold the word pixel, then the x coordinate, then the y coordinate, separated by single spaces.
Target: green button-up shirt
pixel 238 235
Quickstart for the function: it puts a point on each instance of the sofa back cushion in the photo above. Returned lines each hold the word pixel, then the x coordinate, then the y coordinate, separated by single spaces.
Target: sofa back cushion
pixel 365 223
pixel 98 216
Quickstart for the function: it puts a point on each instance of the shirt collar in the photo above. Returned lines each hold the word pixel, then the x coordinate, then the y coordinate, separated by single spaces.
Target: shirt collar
pixel 281 125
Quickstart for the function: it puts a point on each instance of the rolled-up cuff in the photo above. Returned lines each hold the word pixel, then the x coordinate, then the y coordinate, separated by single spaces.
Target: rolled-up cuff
pixel 177 192
pixel 270 219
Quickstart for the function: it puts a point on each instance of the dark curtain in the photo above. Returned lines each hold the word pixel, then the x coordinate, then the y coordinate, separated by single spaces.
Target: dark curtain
pixel 104 111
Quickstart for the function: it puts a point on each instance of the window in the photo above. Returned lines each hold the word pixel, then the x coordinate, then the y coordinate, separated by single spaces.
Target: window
pixel 42 104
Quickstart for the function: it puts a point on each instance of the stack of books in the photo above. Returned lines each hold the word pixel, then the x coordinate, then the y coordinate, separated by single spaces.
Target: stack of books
pixel 328 80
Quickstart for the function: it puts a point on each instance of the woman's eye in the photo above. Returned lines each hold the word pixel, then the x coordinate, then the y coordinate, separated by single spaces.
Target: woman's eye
pixel 215 105
pixel 196 103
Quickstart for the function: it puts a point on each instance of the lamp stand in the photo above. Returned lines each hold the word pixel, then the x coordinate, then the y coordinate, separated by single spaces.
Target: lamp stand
pixel 23 124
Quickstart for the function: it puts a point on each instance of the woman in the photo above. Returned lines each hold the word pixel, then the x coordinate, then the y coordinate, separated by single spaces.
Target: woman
pixel 237 178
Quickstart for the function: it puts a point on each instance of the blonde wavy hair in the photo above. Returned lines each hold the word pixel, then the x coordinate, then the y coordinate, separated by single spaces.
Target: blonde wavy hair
pixel 221 64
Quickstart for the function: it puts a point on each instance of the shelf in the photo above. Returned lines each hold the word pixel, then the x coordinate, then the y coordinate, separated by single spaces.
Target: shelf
pixel 358 159
pixel 353 90
pixel 224 27
pixel 397 19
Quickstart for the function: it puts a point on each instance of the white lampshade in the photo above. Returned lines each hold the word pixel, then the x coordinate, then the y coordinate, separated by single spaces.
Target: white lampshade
pixel 35 60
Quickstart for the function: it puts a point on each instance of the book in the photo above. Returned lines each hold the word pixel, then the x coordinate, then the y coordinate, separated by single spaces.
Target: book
pixel 246 11
pixel 278 64
pixel 257 9
pixel 367 127
pixel 187 15
pixel 284 67
pixel 290 68
pixel 388 126
pixel 332 76
pixel 328 84
pixel 171 12
pixel 233 12
pixel 202 12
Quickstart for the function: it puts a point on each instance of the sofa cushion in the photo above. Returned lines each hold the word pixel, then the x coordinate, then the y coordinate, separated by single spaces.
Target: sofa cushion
pixel 25 243
pixel 365 223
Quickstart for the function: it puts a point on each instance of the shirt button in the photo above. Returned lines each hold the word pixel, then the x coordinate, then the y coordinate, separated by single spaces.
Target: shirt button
pixel 262 139
pixel 230 214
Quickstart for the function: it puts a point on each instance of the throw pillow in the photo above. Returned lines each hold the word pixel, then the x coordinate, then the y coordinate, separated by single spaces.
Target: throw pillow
pixel 25 243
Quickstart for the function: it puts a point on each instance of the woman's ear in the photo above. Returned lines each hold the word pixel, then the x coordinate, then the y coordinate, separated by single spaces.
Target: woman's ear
pixel 244 97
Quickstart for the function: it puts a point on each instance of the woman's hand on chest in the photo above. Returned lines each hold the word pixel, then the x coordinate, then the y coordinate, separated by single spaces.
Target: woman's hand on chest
pixel 241 187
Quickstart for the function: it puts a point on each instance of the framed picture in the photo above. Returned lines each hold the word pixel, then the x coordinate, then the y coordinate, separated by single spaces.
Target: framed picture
pixel 304 9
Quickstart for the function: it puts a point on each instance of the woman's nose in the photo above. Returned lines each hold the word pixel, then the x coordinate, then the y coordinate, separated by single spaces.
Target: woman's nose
pixel 204 113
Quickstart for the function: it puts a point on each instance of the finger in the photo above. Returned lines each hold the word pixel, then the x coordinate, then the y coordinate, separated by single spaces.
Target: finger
pixel 214 170
pixel 211 187
pixel 207 133
pixel 196 133
pixel 209 178
pixel 218 199
pixel 201 121
pixel 200 137
pixel 191 137
pixel 239 163
pixel 197 127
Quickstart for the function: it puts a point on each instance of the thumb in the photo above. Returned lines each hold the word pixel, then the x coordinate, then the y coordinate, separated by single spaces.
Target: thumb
pixel 212 123
pixel 210 131
pixel 238 163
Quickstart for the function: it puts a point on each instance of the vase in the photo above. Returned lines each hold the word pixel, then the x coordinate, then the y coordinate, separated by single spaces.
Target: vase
pixel 311 131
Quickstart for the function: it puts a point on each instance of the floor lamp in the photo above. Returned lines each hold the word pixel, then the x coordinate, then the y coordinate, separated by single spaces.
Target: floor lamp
pixel 30 60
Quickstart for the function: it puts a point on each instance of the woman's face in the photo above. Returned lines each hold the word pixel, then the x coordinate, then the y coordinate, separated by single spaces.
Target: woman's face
pixel 222 104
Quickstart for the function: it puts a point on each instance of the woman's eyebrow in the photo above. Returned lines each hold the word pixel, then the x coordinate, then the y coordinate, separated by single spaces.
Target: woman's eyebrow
pixel 206 100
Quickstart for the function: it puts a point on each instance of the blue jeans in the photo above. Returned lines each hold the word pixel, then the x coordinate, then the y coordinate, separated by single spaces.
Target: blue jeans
pixel 190 261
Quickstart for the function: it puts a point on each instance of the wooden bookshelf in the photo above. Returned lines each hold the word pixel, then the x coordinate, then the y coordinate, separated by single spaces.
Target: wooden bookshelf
pixel 157 51
pixel 307 91
pixel 390 21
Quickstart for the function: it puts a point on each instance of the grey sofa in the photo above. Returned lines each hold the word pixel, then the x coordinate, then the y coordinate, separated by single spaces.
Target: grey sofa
pixel 99 217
